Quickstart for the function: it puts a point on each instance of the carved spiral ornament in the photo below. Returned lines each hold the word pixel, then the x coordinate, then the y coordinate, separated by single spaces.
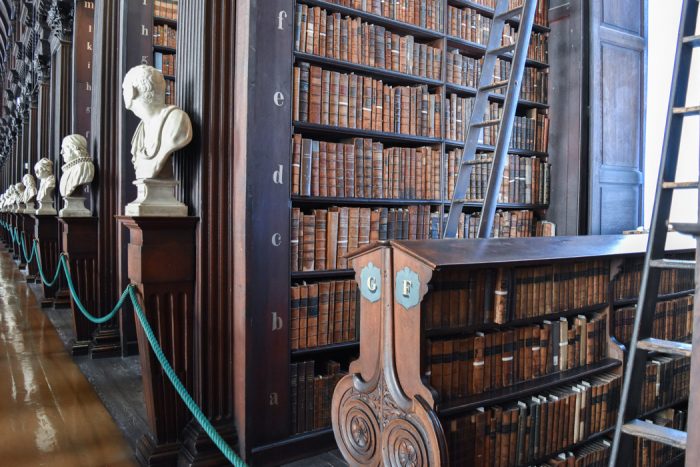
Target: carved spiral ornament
pixel 360 431
pixel 403 445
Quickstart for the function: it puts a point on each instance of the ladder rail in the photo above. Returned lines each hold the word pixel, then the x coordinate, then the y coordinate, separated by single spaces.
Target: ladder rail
pixel 505 130
pixel 630 400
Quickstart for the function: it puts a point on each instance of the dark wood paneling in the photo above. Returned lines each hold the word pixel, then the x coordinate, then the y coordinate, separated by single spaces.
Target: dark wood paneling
pixel 618 35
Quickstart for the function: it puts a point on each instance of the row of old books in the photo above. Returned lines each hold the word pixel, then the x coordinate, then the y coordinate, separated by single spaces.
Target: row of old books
pixel 484 296
pixel 321 239
pixel 351 101
pixel 541 14
pixel 667 380
pixel 493 360
pixel 362 168
pixel 530 132
pixel 506 224
pixel 649 453
pixel 593 454
pixel 165 36
pixel 165 9
pixel 310 395
pixel 525 179
pixel 164 62
pixel 423 13
pixel 466 71
pixel 673 320
pixel 628 281
pixel 328 34
pixel 323 313
pixel 534 428
pixel 170 92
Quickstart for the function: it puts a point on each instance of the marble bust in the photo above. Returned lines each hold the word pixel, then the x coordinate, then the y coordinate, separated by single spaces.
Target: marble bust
pixel 19 197
pixel 2 202
pixel 29 192
pixel 47 184
pixel 77 170
pixel 163 130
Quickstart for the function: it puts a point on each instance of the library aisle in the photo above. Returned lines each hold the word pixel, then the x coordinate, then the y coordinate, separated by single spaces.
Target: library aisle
pixel 50 413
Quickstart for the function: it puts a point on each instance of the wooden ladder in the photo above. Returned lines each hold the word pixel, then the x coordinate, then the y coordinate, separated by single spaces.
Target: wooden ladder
pixel 518 51
pixel 628 425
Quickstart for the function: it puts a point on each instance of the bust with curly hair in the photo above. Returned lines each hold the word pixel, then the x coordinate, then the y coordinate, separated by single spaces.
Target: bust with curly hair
pixel 163 129
pixel 77 168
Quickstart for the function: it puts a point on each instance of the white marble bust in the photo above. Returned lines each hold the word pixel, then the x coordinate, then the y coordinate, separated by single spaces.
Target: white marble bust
pixel 47 184
pixel 2 202
pixel 30 191
pixel 163 130
pixel 77 168
pixel 19 197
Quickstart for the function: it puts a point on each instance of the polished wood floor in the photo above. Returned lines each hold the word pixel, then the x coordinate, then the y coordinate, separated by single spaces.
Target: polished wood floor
pixel 49 413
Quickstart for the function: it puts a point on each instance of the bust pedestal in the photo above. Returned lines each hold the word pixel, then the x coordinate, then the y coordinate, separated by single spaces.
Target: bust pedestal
pixel 46 230
pixel 32 269
pixel 80 244
pixel 156 197
pixel 161 263
pixel 22 236
pixel 46 208
pixel 74 206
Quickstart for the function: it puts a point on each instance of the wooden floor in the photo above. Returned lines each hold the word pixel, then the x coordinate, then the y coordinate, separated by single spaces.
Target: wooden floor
pixel 51 416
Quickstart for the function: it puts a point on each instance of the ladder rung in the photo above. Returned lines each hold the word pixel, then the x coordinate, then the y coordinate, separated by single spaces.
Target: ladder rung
pixel 486 123
pixel 680 185
pixel 672 264
pixel 687 111
pixel 509 14
pixel 693 41
pixel 688 229
pixel 666 347
pixel 495 85
pixel 478 161
pixel 658 433
pixel 506 49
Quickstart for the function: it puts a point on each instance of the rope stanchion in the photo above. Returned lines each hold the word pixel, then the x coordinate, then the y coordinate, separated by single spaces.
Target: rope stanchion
pixel 130 292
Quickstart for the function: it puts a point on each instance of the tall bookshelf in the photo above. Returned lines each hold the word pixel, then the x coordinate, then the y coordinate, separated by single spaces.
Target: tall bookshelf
pixel 165 43
pixel 269 440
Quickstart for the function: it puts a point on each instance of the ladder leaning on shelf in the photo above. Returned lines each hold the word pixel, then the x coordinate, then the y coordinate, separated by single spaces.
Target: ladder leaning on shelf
pixel 494 50
pixel 628 425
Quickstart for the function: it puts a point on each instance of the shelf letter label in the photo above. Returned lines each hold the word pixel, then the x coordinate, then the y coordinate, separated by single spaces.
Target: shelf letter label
pixel 407 288
pixel 277 322
pixel 274 399
pixel 279 99
pixel 280 20
pixel 277 239
pixel 144 30
pixel 370 282
pixel 277 175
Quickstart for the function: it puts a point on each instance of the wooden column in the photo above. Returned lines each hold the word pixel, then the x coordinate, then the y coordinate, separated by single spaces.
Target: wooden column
pixel 204 89
pixel 104 146
pixel 80 243
pixel 46 230
pixel 162 265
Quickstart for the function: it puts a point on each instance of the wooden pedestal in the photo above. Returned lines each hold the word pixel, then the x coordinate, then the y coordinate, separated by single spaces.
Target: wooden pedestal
pixel 22 236
pixel 161 263
pixel 46 230
pixel 5 235
pixel 32 270
pixel 13 224
pixel 80 244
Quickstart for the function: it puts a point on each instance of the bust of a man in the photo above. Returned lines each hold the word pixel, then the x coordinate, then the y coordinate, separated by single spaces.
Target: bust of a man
pixel 47 180
pixel 30 190
pixel 163 129
pixel 78 168
pixel 19 196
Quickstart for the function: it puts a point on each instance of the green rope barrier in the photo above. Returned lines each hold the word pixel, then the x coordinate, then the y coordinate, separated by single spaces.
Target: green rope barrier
pixel 28 258
pixel 130 292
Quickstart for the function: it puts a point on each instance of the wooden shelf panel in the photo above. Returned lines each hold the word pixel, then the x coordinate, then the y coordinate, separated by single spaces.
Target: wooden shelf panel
pixel 396 26
pixel 452 332
pixel 336 201
pixel 459 89
pixel 343 346
pixel 478 205
pixel 333 274
pixel 381 136
pixel 388 76
pixel 524 389
pixel 663 297
pixel 451 143
pixel 166 21
pixel 164 49
pixel 293 448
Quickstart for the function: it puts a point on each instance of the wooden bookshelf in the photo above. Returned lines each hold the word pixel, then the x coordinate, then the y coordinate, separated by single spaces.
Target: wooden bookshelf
pixel 165 14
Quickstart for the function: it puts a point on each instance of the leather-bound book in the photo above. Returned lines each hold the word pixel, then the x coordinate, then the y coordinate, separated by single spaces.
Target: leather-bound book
pixel 312 316
pixel 294 321
pixel 321 216
pixel 342 238
pixel 323 312
pixel 332 238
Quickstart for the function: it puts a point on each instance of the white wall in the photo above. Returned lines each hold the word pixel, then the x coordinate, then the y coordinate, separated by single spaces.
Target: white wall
pixel 664 16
